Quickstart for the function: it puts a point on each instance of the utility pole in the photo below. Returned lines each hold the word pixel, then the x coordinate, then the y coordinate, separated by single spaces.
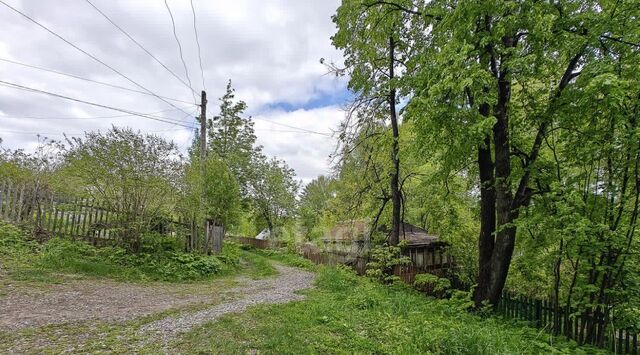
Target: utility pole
pixel 193 242
pixel 203 157
pixel 203 126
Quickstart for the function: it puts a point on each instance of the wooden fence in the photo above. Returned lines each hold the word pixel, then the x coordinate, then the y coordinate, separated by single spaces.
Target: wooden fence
pixel 358 262
pixel 258 243
pixel 573 324
pixel 82 219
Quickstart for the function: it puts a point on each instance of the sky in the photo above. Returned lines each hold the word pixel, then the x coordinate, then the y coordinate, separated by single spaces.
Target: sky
pixel 270 49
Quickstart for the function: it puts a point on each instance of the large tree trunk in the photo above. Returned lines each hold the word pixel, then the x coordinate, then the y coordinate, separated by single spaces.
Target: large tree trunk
pixel 487 221
pixel 505 231
pixel 396 199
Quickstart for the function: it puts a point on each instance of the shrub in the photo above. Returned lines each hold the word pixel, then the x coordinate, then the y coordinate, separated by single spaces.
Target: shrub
pixel 433 285
pixel 385 258
pixel 75 256
pixel 15 248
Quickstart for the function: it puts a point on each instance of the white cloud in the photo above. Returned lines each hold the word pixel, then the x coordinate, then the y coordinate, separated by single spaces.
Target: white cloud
pixel 269 48
pixel 306 152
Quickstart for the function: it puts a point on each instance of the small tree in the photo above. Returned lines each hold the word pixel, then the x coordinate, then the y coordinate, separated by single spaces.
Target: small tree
pixel 232 138
pixel 210 192
pixel 314 201
pixel 133 174
pixel 273 191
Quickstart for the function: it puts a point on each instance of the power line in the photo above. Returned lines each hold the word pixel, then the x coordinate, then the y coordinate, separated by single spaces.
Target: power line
pixel 82 118
pixel 89 80
pixel 294 127
pixel 195 29
pixel 84 52
pixel 56 134
pixel 139 45
pixel 292 131
pixel 133 113
pixel 175 35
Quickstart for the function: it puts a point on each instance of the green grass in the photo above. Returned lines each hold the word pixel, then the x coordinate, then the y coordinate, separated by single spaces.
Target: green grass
pixel 349 314
pixel 285 258
pixel 29 261
pixel 344 313
pixel 257 265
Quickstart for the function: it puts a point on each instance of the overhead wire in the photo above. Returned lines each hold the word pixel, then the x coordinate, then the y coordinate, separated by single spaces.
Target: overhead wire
pixel 175 35
pixel 293 127
pixel 195 30
pixel 151 117
pixel 294 131
pixel 55 133
pixel 140 45
pixel 89 80
pixel 82 118
pixel 85 52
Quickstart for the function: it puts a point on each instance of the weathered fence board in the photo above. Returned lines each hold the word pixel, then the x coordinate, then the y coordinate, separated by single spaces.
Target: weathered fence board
pixel 51 215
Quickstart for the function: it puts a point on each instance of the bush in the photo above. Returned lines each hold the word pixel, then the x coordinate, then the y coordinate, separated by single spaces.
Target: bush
pixel 432 285
pixel 60 254
pixel 385 258
pixel 15 248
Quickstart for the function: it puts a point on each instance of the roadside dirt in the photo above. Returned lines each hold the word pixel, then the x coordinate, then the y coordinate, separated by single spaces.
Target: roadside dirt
pixel 82 300
pixel 110 301
pixel 281 289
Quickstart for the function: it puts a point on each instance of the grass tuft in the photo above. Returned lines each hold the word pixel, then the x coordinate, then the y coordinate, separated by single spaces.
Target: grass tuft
pixel 350 314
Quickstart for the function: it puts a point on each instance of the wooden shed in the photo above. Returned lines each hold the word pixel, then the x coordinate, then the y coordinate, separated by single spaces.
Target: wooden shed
pixel 426 251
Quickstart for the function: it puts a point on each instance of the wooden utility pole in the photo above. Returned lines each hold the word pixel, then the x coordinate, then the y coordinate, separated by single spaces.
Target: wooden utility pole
pixel 193 241
pixel 203 157
pixel 203 126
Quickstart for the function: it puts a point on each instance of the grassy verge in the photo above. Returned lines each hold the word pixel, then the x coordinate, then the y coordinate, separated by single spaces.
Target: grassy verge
pixel 282 257
pixel 349 314
pixel 58 259
pixel 343 314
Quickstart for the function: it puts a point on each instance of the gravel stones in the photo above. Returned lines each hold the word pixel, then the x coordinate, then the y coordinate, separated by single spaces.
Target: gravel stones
pixel 280 289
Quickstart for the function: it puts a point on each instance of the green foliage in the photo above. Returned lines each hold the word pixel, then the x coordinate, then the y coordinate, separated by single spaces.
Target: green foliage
pixel 383 260
pixel 155 262
pixel 232 138
pixel 314 201
pixel 273 192
pixel 210 191
pixel 437 285
pixel 547 95
pixel 79 257
pixel 132 174
pixel 349 314
pixel 15 248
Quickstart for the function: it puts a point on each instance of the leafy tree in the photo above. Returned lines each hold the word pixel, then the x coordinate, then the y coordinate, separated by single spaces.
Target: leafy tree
pixel 211 192
pixel 314 201
pixel 133 174
pixel 499 94
pixel 373 42
pixel 273 191
pixel 232 138
pixel 491 78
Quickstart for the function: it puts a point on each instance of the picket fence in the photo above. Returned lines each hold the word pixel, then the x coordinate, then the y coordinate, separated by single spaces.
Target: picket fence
pixel 570 322
pixel 52 215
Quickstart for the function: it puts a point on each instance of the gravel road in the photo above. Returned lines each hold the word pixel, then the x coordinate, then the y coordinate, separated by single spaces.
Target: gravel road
pixel 280 289
pixel 86 300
